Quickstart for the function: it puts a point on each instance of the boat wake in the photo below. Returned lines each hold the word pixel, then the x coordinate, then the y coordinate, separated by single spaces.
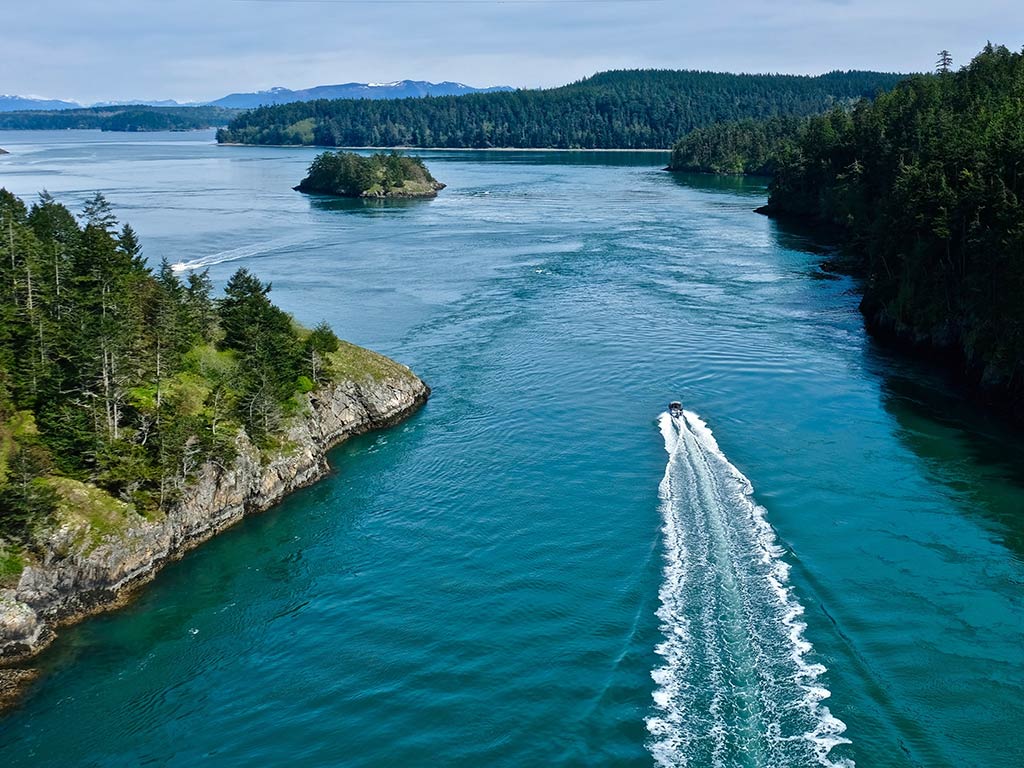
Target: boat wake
pixel 735 687
pixel 234 254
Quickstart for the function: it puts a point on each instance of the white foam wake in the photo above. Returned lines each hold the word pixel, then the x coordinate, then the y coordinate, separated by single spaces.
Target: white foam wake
pixel 234 254
pixel 736 687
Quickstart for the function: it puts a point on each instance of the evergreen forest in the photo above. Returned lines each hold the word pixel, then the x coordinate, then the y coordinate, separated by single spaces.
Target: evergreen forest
pixel 126 378
pixel 132 118
pixel 629 109
pixel 926 186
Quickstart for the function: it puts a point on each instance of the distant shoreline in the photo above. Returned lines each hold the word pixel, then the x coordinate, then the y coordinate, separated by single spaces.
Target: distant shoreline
pixel 442 149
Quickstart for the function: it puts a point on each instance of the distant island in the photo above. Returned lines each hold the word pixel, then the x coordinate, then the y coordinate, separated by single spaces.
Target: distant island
pixel 131 118
pixel 626 109
pixel 381 175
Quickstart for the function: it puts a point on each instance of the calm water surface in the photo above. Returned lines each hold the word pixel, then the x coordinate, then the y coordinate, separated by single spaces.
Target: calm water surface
pixel 539 568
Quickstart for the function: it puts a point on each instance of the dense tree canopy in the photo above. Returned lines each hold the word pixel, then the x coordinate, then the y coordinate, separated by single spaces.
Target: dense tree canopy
pixel 347 174
pixel 736 147
pixel 623 109
pixel 137 117
pixel 928 181
pixel 129 378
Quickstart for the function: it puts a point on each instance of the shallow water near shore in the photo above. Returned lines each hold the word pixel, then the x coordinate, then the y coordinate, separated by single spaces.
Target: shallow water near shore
pixel 530 571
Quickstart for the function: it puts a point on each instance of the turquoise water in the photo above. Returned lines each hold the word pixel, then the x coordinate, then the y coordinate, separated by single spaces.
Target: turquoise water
pixel 540 568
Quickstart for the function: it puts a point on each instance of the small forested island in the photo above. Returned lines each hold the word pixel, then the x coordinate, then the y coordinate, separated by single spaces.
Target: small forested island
pixel 924 185
pixel 625 109
pixel 140 414
pixel 346 174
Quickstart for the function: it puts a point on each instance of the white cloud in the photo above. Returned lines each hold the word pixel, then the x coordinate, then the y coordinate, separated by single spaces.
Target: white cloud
pixel 95 50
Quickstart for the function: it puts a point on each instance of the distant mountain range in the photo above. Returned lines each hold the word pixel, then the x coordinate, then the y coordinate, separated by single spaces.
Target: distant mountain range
pixel 15 103
pixel 400 89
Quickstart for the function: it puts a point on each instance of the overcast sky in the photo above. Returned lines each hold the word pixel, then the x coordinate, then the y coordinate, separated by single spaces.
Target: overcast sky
pixel 92 50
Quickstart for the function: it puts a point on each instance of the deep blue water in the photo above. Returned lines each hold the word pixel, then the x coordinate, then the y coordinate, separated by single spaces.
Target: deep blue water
pixel 538 568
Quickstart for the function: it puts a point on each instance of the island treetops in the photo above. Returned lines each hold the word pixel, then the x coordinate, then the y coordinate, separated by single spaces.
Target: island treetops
pixel 347 174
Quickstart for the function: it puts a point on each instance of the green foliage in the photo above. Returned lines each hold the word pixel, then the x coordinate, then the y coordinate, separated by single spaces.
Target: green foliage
pixel 316 352
pixel 356 364
pixel 123 377
pixel 130 118
pixel 92 513
pixel 927 182
pixel 25 499
pixel 382 174
pixel 741 147
pixel 632 109
pixel 12 563
pixel 268 349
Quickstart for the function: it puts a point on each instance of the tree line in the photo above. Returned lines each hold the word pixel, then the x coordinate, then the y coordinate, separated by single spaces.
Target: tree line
pixel 926 183
pixel 128 118
pixel 629 109
pixel 929 183
pixel 741 147
pixel 125 376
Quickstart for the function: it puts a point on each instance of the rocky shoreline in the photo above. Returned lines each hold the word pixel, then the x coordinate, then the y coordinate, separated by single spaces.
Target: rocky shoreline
pixel 413 190
pixel 76 576
pixel 991 384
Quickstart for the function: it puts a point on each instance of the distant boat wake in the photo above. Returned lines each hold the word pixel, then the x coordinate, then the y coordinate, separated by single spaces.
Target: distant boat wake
pixel 234 254
pixel 735 688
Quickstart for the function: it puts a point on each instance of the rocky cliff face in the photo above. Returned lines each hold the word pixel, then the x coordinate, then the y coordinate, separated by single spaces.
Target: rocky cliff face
pixel 77 576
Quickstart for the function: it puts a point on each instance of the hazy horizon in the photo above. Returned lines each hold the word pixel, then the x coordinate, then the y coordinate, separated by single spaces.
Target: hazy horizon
pixel 94 51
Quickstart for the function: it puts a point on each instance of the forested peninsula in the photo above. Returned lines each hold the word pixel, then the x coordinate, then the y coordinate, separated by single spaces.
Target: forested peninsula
pixel 130 118
pixel 925 185
pixel 140 414
pixel 391 175
pixel 628 109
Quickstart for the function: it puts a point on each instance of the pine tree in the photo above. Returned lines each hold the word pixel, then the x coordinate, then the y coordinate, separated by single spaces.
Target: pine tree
pixel 268 350
pixel 107 373
pixel 318 345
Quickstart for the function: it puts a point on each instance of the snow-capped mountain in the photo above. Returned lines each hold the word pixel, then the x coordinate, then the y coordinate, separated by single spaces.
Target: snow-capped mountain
pixel 11 103
pixel 399 89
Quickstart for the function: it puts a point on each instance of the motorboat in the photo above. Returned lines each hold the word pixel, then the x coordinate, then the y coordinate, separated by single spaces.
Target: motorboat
pixel 675 408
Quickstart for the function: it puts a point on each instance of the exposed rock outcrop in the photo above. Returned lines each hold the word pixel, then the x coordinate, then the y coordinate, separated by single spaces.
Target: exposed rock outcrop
pixel 77 575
